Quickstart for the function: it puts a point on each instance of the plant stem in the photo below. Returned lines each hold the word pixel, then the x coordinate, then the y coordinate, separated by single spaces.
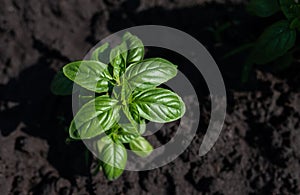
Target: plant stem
pixel 125 105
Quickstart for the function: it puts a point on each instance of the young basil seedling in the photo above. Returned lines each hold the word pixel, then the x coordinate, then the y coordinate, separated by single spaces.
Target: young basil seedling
pixel 127 95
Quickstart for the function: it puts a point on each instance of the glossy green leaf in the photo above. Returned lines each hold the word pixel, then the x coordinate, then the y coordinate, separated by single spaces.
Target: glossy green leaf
pixel 141 147
pixel 61 85
pixel 92 75
pixel 118 56
pixel 136 116
pixel 126 89
pixel 134 112
pixel 126 137
pixel 129 124
pixel 274 42
pixel 135 48
pixel 114 158
pixel 94 118
pixel 135 127
pixel 98 145
pixel 101 54
pixel 130 128
pixel 263 8
pixel 159 105
pixel 290 8
pixel 85 96
pixel 150 73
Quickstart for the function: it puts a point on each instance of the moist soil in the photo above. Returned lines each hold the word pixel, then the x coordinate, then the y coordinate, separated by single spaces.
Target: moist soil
pixel 256 153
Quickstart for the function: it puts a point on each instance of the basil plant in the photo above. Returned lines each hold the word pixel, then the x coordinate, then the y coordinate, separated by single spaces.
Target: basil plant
pixel 126 95
pixel 278 42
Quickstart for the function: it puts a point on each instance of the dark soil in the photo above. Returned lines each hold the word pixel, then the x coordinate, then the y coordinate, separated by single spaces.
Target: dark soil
pixel 258 149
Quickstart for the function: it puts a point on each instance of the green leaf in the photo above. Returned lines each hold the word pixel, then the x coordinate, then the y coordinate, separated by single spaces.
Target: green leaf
pixel 94 118
pixel 92 75
pixel 159 105
pixel 61 85
pixel 101 53
pixel 100 144
pixel 263 8
pixel 134 112
pixel 127 131
pixel 129 124
pixel 114 157
pixel 129 128
pixel 275 41
pixel 136 116
pixel 118 56
pixel 84 96
pixel 290 8
pixel 150 73
pixel 126 89
pixel 141 147
pixel 135 48
pixel 295 24
pixel 126 137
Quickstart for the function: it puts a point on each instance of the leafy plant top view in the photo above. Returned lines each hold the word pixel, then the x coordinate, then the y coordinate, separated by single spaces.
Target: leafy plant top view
pixel 278 41
pixel 127 95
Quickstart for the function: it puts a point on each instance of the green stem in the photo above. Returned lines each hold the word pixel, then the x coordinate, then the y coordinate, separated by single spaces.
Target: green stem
pixel 130 118
pixel 85 96
pixel 125 105
pixel 123 92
